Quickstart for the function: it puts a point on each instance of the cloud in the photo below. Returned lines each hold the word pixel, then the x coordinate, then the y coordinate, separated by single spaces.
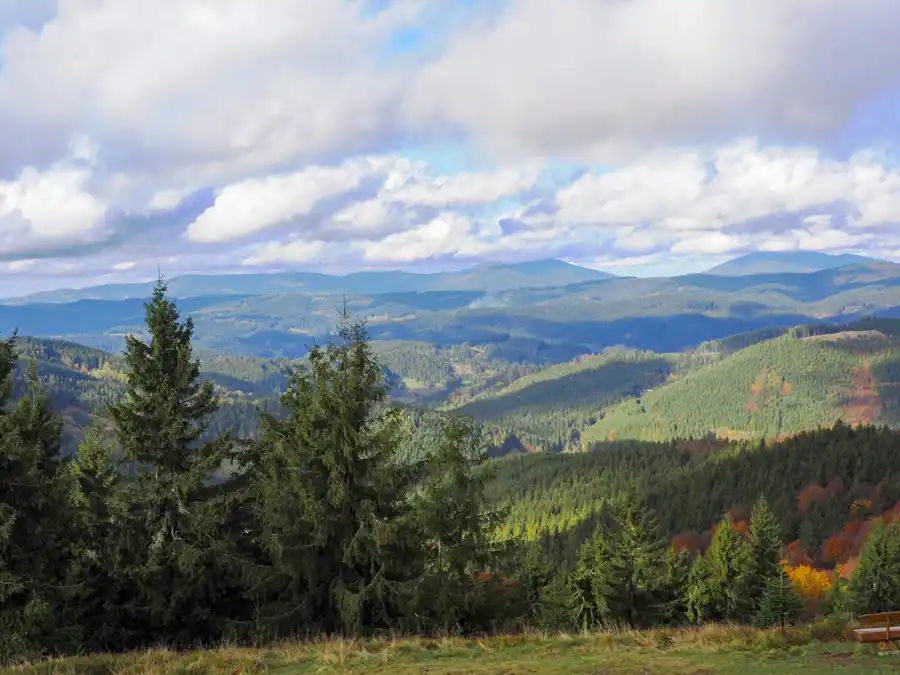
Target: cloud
pixel 316 135
pixel 407 190
pixel 49 209
pixel 294 252
pixel 124 266
pixel 193 93
pixel 254 205
pixel 596 79
pixel 446 235
pixel 465 187
pixel 690 204
pixel 708 198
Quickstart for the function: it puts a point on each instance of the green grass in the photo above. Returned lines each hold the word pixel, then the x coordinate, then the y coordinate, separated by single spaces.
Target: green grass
pixel 712 650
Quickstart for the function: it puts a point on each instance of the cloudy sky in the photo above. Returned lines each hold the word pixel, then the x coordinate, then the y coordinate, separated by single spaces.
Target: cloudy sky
pixel 639 136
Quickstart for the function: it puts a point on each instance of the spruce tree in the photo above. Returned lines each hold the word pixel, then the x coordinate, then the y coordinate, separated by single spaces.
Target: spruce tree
pixel 675 585
pixel 97 479
pixel 36 534
pixel 330 500
pixel 729 573
pixel 765 550
pixel 172 571
pixel 875 585
pixel 456 527
pixel 621 570
pixel 699 600
pixel 780 604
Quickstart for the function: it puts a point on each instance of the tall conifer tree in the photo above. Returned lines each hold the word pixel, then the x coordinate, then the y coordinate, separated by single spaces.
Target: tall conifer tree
pixel 621 571
pixel 331 498
pixel 173 571
pixel 35 519
pixel 765 551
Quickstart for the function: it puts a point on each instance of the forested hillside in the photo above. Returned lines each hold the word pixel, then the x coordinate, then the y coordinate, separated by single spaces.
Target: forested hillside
pixel 798 381
pixel 549 409
pixel 81 382
pixel 822 486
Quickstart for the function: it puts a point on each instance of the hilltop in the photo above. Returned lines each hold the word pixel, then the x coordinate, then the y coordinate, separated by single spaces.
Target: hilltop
pixel 778 262
pixel 797 381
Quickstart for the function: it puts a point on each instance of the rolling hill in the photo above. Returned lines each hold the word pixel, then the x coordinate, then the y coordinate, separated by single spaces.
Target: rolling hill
pixel 794 382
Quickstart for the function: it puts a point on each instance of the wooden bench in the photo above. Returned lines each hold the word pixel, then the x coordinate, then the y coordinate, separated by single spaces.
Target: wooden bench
pixel 882 628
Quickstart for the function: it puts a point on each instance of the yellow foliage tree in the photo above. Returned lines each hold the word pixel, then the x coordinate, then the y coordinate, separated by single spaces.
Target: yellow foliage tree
pixel 809 582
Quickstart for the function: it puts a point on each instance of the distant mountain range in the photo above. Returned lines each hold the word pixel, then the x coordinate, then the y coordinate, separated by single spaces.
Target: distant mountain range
pixel 542 312
pixel 488 277
pixel 777 262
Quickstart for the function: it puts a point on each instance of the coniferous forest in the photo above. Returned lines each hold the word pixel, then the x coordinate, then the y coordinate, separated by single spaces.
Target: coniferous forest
pixel 333 520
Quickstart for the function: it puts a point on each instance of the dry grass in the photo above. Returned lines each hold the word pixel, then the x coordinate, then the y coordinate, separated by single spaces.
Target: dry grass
pixel 696 651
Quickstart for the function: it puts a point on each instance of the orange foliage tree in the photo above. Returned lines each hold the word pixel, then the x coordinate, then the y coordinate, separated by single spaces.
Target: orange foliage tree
pixel 810 583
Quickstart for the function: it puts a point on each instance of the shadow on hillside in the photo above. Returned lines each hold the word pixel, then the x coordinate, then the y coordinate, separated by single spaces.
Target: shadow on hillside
pixel 660 334
pixel 598 387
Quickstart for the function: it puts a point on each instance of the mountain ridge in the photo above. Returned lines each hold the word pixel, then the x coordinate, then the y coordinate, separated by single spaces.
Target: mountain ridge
pixel 488 277
pixel 775 262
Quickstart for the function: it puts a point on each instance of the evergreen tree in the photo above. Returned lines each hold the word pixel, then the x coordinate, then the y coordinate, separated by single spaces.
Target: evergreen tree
pixel 675 585
pixel 621 570
pixel 456 525
pixel 875 585
pixel 699 599
pixel 765 550
pixel 330 500
pixel 780 604
pixel 170 565
pixel 35 521
pixel 728 566
pixel 97 480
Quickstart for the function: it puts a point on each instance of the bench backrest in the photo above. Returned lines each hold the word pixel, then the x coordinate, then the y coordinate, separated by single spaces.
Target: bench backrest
pixel 881 619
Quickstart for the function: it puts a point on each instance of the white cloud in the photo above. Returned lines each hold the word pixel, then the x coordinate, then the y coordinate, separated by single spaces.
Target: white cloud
pixel 250 206
pixel 244 208
pixel 465 188
pixel 49 208
pixel 710 243
pixel 593 78
pixel 124 266
pixel 263 103
pixel 164 200
pixel 446 235
pixel 805 240
pixel 293 252
pixel 740 182
pixel 20 265
pixel 199 92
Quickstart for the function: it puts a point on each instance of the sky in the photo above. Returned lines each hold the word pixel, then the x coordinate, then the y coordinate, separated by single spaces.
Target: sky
pixel 641 137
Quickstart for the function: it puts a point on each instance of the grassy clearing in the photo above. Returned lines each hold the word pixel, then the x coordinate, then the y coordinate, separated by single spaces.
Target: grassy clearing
pixel 713 650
